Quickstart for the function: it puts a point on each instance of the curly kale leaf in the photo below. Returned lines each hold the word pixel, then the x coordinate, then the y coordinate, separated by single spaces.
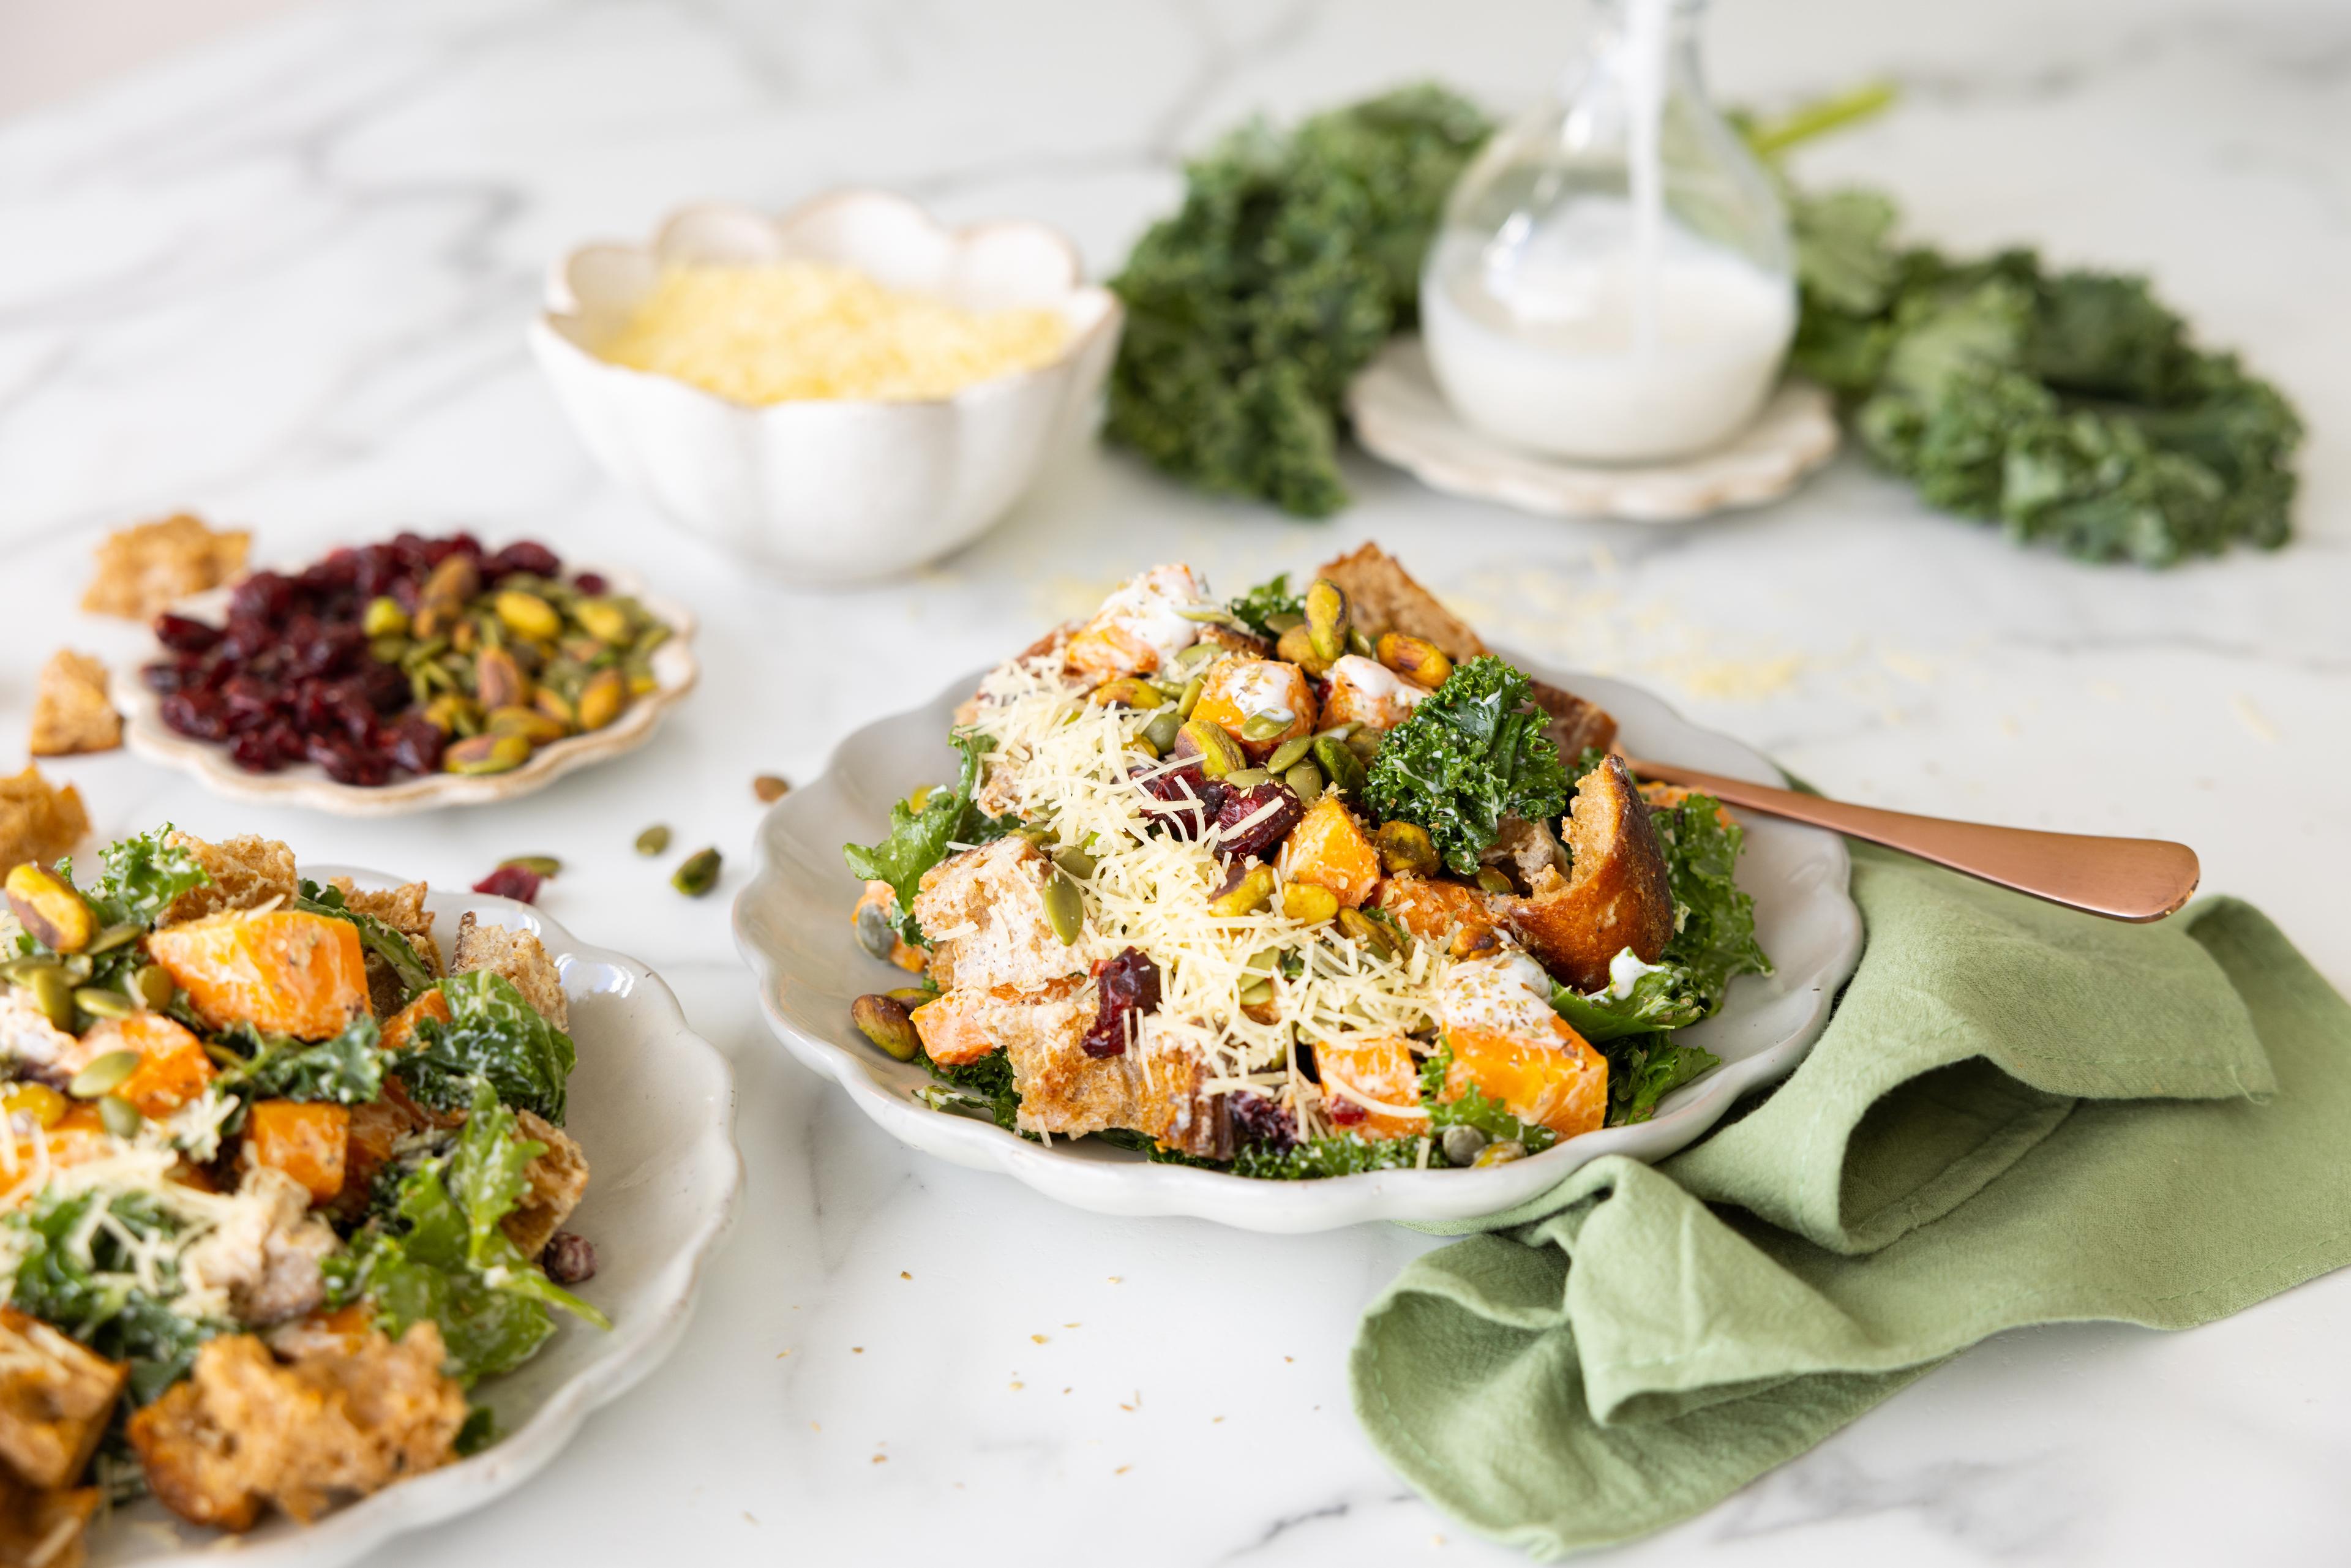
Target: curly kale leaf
pixel 1714 937
pixel 381 943
pixel 986 1084
pixel 492 1035
pixel 443 1256
pixel 143 874
pixel 1473 1107
pixel 1643 1069
pixel 1265 600
pixel 1472 754
pixel 1291 261
pixel 919 836
pixel 1666 996
pixel 346 1071
pixel 74 1271
pixel 1343 1154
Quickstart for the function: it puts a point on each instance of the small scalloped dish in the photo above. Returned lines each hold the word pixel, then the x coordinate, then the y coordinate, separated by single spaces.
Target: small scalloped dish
pixel 830 490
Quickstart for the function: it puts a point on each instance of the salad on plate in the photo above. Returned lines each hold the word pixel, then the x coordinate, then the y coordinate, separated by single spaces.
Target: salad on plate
pixel 1297 884
pixel 277 1188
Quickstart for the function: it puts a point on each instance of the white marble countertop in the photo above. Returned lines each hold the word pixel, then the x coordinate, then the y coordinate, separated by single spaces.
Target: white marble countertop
pixel 283 281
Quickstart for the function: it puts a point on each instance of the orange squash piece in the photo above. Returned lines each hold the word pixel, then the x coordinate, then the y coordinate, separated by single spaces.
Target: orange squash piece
pixel 1562 1084
pixel 281 970
pixel 173 1067
pixel 952 1029
pixel 1233 689
pixel 400 1030
pixel 1440 911
pixel 1329 849
pixel 75 1137
pixel 1375 1067
pixel 306 1141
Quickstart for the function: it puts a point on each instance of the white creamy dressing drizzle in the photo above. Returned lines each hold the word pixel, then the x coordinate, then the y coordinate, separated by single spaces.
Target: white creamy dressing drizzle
pixel 1625 972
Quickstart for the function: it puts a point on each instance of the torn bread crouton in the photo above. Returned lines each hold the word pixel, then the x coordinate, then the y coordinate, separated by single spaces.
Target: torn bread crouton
pixel 141 570
pixel 246 871
pixel 402 909
pixel 552 1185
pixel 1575 724
pixel 984 911
pixel 245 1432
pixel 71 712
pixel 1384 597
pixel 1617 895
pixel 517 956
pixel 39 821
pixel 1154 1091
pixel 266 1254
pixel 45 1529
pixel 56 1396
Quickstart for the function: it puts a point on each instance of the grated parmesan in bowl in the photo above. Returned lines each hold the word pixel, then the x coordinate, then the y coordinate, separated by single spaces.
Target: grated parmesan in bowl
pixel 848 392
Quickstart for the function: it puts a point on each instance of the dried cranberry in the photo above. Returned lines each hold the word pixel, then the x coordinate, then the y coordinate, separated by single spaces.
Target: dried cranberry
pixel 1130 988
pixel 590 583
pixel 1270 810
pixel 168 675
pixel 511 881
pixel 414 743
pixel 1343 1112
pixel 264 596
pixel 384 688
pixel 378 567
pixel 1258 1119
pixel 1192 798
pixel 334 573
pixel 197 714
pixel 569 1258
pixel 184 634
pixel 525 555
pixel 253 751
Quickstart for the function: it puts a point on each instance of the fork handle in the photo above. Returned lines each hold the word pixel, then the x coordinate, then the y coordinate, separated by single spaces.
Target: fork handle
pixel 2136 880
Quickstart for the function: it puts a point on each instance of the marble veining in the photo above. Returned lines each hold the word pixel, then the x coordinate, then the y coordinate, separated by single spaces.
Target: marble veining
pixel 284 281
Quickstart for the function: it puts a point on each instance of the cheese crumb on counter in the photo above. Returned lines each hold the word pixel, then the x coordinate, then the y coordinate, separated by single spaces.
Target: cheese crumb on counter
pixel 800 331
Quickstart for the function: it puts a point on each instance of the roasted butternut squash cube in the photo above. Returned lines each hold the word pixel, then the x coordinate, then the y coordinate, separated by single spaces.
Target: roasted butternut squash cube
pixel 400 1030
pixel 173 1067
pixel 280 970
pixel 965 1025
pixel 1362 691
pixel 76 1136
pixel 1507 1042
pixel 1234 691
pixel 1140 626
pixel 56 1397
pixel 1436 910
pixel 308 1141
pixel 1329 849
pixel 1371 1086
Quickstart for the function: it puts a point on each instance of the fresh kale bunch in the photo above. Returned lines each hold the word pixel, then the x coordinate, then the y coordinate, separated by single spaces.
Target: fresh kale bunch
pixel 987 1083
pixel 347 1069
pixel 2068 406
pixel 143 874
pixel 1473 753
pixel 74 1271
pixel 1474 1108
pixel 492 1036
pixel 1293 260
pixel 1340 1154
pixel 442 1255
pixel 919 836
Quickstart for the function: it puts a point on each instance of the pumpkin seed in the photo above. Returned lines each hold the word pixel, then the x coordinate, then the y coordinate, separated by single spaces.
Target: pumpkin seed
pixel 1338 731
pixel 697 874
pixel 1192 660
pixel 104 1002
pixel 153 984
pixel 653 840
pixel 1305 782
pixel 1340 766
pixel 1360 645
pixel 20 971
pixel 877 933
pixel 1246 777
pixel 104 1074
pixel 1282 621
pixel 1164 726
pixel 120 1116
pixel 1077 862
pixel 1267 724
pixel 53 994
pixel 1212 615
pixel 1462 1144
pixel 537 865
pixel 1493 880
pixel 1191 697
pixel 1257 993
pixel 1289 754
pixel 1065 907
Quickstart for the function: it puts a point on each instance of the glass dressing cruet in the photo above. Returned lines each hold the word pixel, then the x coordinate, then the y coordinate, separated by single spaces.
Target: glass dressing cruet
pixel 1613 279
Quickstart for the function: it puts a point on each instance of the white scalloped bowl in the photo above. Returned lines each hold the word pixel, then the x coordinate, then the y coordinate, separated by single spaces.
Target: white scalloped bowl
pixel 830 490
pixel 792 925
pixel 306 783
pixel 653 1103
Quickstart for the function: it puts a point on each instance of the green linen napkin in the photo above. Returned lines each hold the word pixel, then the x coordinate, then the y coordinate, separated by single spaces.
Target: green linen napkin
pixel 2017 1116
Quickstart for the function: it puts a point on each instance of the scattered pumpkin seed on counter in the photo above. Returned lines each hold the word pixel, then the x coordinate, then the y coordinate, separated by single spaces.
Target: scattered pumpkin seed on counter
pixel 653 840
pixel 697 874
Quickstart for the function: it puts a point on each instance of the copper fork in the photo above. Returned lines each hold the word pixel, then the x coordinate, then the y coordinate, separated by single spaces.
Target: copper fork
pixel 2136 880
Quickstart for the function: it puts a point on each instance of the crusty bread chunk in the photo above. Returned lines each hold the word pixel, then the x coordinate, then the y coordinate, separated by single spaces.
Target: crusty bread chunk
pixel 1617 895
pixel 45 1529
pixel 55 1398
pixel 520 958
pixel 402 909
pixel 247 871
pixel 245 1432
pixel 1385 597
pixel 142 570
pixel 984 911
pixel 553 1183
pixel 71 712
pixel 1574 723
pixel 39 821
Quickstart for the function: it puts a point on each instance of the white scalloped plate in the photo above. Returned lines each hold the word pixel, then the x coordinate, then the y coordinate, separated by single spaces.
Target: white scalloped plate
pixel 1402 417
pixel 306 784
pixel 653 1103
pixel 792 925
